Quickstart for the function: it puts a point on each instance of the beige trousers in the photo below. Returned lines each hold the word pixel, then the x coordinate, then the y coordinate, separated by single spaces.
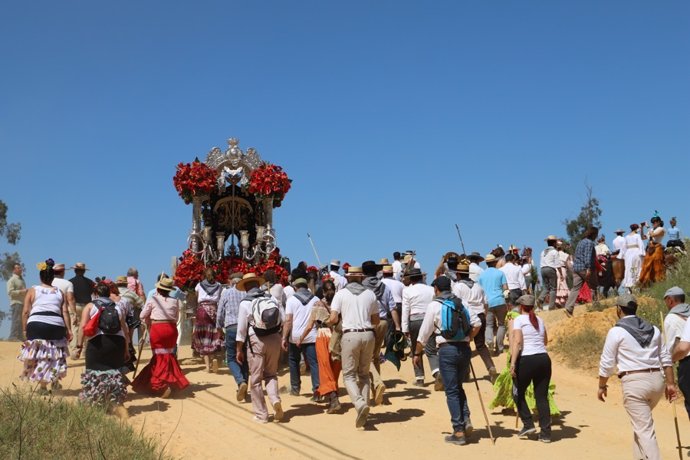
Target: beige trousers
pixel 263 354
pixel 77 332
pixel 356 359
pixel 641 393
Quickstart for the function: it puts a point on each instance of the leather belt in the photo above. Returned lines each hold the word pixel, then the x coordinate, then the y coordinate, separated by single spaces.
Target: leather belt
pixel 639 371
pixel 345 331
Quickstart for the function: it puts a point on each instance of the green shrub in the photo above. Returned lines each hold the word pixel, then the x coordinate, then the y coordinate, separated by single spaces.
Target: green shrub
pixel 38 427
pixel 679 275
pixel 582 348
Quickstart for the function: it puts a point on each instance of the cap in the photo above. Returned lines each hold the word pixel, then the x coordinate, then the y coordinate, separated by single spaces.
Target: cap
pixel 527 300
pixel 442 283
pixel 674 291
pixel 625 300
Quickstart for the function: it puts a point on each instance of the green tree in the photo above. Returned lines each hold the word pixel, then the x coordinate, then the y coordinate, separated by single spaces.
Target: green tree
pixel 590 214
pixel 11 232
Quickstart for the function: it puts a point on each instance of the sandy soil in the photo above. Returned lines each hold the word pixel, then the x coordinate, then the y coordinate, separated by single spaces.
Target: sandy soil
pixel 205 421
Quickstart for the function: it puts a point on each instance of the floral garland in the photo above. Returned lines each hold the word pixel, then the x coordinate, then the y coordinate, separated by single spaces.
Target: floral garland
pixel 189 271
pixel 269 180
pixel 194 179
pixel 270 264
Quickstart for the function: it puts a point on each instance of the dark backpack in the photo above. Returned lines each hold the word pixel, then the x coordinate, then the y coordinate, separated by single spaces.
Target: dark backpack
pixel 109 320
pixel 455 320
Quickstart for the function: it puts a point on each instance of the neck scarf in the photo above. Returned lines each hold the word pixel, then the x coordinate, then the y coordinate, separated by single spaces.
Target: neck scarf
pixel 209 288
pixel 355 287
pixel 682 309
pixel 642 331
pixel 303 295
pixel 375 285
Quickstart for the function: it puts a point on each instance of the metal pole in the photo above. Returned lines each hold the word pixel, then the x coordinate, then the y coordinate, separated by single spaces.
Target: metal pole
pixel 457 227
pixel 481 402
pixel 673 404
pixel 314 248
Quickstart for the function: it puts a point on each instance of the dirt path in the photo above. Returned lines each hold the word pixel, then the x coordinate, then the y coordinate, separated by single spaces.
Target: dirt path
pixel 207 422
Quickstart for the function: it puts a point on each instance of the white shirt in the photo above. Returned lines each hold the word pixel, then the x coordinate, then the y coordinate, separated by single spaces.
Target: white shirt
pixel 673 325
pixel 244 320
pixel 64 285
pixel 397 269
pixel 601 249
pixel 622 350
pixel 526 269
pixel 289 291
pixel 396 288
pixel 656 234
pixel 550 257
pixel 618 243
pixel 300 317
pixel 432 323
pixel 532 339
pixel 514 276
pixel 203 296
pixel 475 271
pixel 415 300
pixel 355 310
pixel 338 279
pixel 473 298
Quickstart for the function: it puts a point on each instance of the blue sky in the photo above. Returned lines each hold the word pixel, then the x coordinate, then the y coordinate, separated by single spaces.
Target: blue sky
pixel 395 120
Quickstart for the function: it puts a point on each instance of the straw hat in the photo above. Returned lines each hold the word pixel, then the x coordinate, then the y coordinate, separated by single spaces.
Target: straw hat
pixel 490 258
pixel 249 278
pixel 354 272
pixel 121 280
pixel 619 230
pixel 79 266
pixel 475 255
pixel 165 284
pixel 407 258
pixel 387 269
pixel 384 261
pixel 59 267
pixel 551 238
pixel 463 268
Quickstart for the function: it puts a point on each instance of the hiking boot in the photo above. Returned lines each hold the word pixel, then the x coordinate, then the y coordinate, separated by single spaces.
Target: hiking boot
pixel 438 383
pixel 493 375
pixel 526 431
pixel 278 408
pixel 242 392
pixel 457 440
pixel 334 406
pixel 378 394
pixel 362 415
pixel 469 428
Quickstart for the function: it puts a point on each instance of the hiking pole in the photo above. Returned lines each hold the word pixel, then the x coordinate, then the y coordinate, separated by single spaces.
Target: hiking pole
pixel 673 403
pixel 314 248
pixel 461 242
pixel 481 402
pixel 141 347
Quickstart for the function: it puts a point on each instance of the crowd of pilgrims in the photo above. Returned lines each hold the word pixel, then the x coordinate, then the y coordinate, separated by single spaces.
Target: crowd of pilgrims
pixel 327 322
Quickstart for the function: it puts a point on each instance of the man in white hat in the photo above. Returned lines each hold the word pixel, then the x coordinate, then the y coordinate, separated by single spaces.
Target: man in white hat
pixel 334 272
pixel 227 319
pixel 258 324
pixel 674 325
pixel 549 263
pixel 359 310
pixel 635 348
pixel 618 242
pixel 83 291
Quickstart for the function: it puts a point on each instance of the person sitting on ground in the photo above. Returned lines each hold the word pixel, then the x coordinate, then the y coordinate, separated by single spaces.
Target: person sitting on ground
pixel 106 352
pixel 673 232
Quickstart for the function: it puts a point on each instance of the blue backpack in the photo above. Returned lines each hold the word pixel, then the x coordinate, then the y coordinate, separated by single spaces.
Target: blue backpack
pixel 455 320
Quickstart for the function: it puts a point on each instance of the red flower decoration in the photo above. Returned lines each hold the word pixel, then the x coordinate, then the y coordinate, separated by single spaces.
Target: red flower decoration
pixel 189 271
pixel 269 180
pixel 194 179
pixel 312 269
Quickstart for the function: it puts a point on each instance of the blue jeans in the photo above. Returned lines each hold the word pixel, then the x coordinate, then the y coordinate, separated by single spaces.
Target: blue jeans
pixel 239 372
pixel 454 360
pixel 294 357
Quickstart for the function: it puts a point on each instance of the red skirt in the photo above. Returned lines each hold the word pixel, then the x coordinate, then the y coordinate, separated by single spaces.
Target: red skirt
pixel 163 370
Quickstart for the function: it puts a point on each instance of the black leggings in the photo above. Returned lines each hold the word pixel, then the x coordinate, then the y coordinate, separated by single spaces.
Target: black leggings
pixel 534 369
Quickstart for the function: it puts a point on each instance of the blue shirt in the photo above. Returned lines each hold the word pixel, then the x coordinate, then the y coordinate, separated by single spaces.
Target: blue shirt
pixel 584 256
pixel 492 281
pixel 673 233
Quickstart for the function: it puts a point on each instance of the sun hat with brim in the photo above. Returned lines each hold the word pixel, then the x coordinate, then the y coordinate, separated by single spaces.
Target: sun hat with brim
pixel 79 266
pixel 490 258
pixel 299 281
pixel 236 276
pixel 526 300
pixel 59 267
pixel 551 238
pixel 463 268
pixel 619 230
pixel 407 258
pixel 353 271
pixel 335 262
pixel 121 280
pixel 249 278
pixel 387 269
pixel 370 268
pixel 384 262
pixel 165 284
pixel 625 300
pixel 414 272
pixel 674 291
pixel 475 255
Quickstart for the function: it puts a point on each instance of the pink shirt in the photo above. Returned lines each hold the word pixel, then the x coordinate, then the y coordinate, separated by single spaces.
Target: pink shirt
pixel 160 308
pixel 134 285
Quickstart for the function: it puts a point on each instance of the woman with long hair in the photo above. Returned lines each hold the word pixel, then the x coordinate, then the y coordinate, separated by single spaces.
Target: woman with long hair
pixel 653 267
pixel 632 253
pixel 206 337
pixel 531 365
pixel 106 353
pixel 44 320
pixel 162 374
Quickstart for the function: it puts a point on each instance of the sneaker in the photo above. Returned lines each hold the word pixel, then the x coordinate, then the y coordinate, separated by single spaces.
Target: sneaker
pixel 526 431
pixel 256 419
pixel 362 415
pixel 294 392
pixel 493 375
pixel 278 408
pixel 419 383
pixel 242 392
pixel 334 406
pixel 545 438
pixel 469 428
pixel 378 394
pixel 568 313
pixel 438 383
pixel 457 440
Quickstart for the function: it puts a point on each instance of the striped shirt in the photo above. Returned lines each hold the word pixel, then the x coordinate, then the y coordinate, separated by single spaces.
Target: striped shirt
pixel 584 255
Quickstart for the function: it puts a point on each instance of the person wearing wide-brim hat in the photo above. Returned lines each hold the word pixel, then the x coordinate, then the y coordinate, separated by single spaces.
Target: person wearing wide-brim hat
pixel 475 270
pixel 634 349
pixel 263 345
pixel 162 374
pixel 226 319
pixel 549 263
pixel 359 310
pixel 83 290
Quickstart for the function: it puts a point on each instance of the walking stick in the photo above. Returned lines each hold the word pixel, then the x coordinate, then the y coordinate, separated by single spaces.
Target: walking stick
pixel 314 248
pixel 481 402
pixel 461 242
pixel 141 347
pixel 673 403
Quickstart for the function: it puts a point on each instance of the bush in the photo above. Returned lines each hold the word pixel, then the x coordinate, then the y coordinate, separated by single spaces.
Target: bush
pixel 581 349
pixel 38 427
pixel 679 275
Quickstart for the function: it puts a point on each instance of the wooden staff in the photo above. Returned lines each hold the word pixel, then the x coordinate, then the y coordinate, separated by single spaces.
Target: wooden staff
pixel 673 404
pixel 481 402
pixel 141 347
